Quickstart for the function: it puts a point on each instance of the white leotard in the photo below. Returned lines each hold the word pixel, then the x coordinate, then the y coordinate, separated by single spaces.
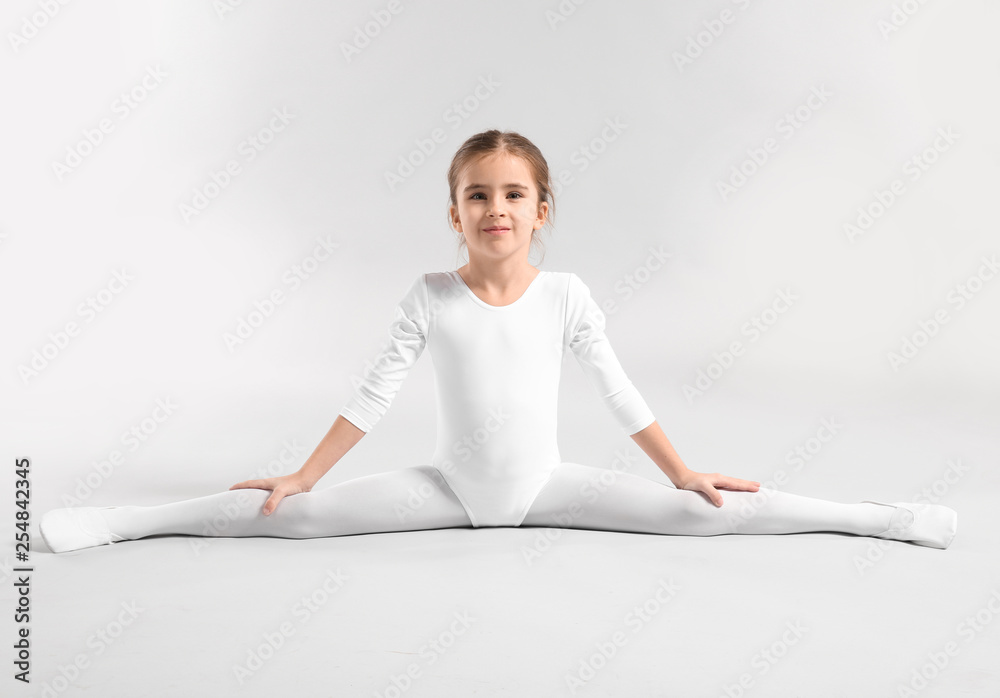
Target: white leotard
pixel 496 374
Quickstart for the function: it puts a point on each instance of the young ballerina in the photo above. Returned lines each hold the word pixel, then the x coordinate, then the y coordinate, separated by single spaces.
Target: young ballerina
pixel 497 330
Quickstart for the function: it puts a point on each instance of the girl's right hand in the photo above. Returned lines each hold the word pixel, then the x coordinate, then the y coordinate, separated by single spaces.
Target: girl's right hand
pixel 281 487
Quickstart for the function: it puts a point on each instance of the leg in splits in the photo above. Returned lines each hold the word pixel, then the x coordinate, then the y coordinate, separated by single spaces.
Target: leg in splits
pixel 580 496
pixel 408 499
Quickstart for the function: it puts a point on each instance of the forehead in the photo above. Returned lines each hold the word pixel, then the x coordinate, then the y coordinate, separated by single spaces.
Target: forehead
pixel 496 169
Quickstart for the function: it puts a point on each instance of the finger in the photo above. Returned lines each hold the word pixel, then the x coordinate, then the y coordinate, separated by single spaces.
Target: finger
pixel 735 483
pixel 251 484
pixel 272 502
pixel 744 486
pixel 713 494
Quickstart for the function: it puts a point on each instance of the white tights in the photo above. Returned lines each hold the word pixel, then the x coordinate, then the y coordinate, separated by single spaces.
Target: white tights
pixel 576 496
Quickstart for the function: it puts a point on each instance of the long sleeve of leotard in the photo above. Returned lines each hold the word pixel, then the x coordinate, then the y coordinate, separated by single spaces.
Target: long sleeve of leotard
pixel 585 336
pixel 381 382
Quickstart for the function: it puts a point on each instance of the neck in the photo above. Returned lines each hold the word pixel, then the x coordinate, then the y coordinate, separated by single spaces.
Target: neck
pixel 499 277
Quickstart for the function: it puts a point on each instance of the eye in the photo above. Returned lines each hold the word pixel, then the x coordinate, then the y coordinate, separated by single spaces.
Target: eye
pixel 518 194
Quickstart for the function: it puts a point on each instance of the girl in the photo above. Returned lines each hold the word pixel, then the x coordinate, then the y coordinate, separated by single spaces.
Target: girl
pixel 497 329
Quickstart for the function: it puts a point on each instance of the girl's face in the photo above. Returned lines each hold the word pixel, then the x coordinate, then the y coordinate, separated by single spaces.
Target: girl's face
pixel 498 208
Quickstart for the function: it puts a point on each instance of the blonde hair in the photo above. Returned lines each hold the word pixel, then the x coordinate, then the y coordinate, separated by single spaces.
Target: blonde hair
pixel 495 142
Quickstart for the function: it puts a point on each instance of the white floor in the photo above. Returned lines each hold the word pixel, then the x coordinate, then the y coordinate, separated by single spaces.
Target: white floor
pixel 533 611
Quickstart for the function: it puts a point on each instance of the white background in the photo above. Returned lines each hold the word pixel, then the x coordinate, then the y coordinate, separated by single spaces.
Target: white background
pixel 324 175
pixel 890 88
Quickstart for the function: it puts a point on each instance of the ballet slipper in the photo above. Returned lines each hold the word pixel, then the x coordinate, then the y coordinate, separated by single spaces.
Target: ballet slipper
pixel 933 525
pixel 75 528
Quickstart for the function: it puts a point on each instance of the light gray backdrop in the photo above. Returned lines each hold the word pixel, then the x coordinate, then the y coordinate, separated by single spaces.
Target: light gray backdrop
pixel 848 95
pixel 827 171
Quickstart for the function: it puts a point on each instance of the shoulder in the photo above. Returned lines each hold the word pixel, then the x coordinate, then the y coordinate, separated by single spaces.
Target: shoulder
pixel 568 285
pixel 440 283
pixel 440 288
pixel 428 281
pixel 576 288
pixel 562 279
pixel 436 278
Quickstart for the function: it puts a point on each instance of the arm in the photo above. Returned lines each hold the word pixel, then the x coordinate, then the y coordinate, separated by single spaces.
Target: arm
pixel 657 446
pixel 586 337
pixel 371 400
pixel 341 438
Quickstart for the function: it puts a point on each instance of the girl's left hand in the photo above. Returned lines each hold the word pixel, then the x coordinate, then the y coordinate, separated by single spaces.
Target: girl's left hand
pixel 706 483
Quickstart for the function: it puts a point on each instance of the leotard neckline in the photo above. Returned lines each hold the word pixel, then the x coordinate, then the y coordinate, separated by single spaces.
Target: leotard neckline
pixel 480 301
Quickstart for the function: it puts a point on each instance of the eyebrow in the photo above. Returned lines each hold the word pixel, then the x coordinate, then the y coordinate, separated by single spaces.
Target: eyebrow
pixel 512 185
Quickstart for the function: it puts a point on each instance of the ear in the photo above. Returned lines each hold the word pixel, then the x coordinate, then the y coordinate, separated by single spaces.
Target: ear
pixel 456 223
pixel 541 214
